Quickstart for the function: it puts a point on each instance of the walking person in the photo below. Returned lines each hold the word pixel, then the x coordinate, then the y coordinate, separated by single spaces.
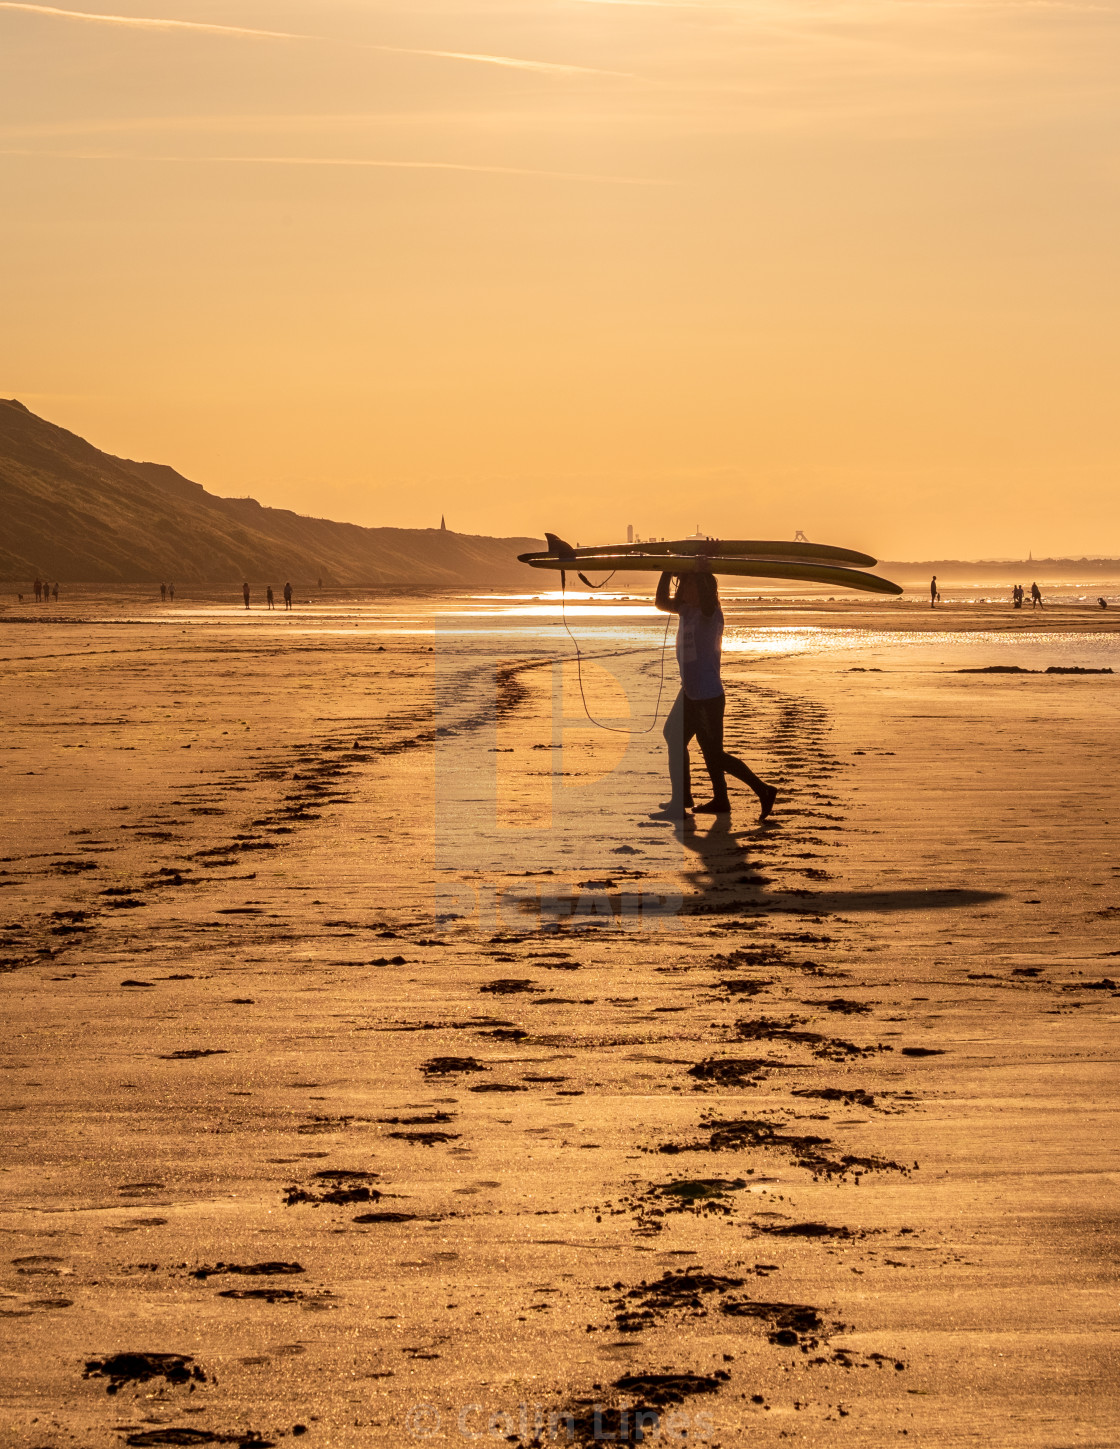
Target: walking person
pixel 163 592
pixel 38 589
pixel 287 596
pixel 698 712
pixel 245 594
pixel 268 597
pixel 933 594
pixel 1036 597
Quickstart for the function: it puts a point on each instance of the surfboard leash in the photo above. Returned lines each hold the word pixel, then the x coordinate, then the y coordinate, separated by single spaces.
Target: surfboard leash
pixel 613 729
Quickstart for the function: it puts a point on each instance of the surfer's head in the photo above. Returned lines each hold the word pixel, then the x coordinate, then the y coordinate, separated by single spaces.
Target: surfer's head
pixel 699 591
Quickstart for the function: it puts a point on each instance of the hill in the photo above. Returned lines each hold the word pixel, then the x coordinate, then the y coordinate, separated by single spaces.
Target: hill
pixel 76 514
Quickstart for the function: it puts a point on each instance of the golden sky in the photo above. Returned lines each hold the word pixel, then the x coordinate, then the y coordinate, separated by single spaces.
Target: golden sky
pixel 848 266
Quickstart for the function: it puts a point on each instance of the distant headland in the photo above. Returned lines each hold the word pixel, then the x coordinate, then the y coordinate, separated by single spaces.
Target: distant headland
pixel 74 513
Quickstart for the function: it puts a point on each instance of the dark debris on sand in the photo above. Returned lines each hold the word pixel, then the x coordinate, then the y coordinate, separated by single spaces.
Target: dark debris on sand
pixel 644 1398
pixel 808 1230
pixel 249 1269
pixel 153 1438
pixel 263 1295
pixel 733 1071
pixel 445 1066
pixel 335 1185
pixel 139 1368
pixel 806 1150
pixel 851 1096
pixel 829 1048
pixel 701 1196
pixel 693 1293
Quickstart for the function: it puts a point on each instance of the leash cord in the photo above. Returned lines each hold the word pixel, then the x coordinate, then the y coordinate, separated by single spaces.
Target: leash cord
pixel 614 729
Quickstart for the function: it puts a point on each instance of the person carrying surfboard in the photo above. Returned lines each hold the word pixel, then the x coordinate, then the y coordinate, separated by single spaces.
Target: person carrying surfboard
pixel 699 708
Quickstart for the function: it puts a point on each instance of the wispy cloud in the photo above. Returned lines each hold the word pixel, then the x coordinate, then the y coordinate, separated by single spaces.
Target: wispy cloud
pixel 142 22
pixel 359 162
pixel 512 62
pixel 877 9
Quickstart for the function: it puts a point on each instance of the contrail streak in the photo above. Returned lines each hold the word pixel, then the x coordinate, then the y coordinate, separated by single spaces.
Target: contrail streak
pixel 505 60
pixel 200 27
pixel 147 23
pixel 346 161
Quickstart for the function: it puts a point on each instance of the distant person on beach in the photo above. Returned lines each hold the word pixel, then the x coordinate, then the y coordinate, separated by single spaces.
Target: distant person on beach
pixel 933 594
pixel 699 708
pixel 1103 602
pixel 163 591
pixel 245 594
pixel 268 597
pixel 38 590
pixel 1017 597
pixel 171 592
pixel 287 596
pixel 56 593
pixel 1036 597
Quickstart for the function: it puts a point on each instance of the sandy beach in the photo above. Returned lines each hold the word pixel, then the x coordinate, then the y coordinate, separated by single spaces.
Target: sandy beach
pixel 377 1072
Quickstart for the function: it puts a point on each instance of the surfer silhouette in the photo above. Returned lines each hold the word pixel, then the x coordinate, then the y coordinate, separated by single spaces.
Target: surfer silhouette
pixel 699 708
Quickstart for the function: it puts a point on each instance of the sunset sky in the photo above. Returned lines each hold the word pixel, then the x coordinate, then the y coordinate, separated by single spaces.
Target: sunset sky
pixel 572 264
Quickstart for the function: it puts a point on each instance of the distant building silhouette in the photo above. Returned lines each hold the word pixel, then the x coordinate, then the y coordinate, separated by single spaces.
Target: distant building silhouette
pixel 629 533
pixel 799 537
pixel 442 524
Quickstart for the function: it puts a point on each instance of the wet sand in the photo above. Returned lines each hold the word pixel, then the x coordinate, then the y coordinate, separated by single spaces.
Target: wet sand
pixel 372 1053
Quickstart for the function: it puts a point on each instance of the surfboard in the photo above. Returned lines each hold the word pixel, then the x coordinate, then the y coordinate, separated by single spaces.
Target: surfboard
pixel 755 568
pixel 709 548
pixel 809 563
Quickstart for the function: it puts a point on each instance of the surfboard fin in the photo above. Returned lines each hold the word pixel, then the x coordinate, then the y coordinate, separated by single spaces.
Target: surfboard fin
pixel 557 545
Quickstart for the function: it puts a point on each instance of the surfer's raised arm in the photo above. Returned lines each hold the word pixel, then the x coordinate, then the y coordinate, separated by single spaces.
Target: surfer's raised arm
pixel 662 599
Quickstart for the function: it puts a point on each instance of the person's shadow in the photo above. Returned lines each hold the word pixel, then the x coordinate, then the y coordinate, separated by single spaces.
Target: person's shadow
pixel 730 872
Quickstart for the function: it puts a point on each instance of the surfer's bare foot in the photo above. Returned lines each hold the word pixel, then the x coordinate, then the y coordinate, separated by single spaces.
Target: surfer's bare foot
pixel 766 801
pixel 669 812
pixel 714 807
